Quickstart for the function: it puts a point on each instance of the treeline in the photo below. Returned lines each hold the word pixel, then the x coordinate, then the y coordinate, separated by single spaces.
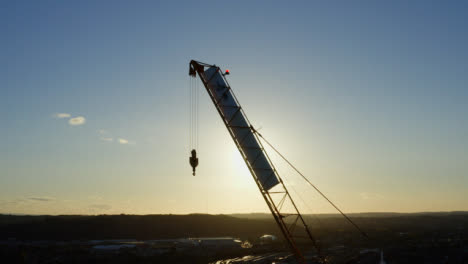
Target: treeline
pixel 130 227
pixel 200 225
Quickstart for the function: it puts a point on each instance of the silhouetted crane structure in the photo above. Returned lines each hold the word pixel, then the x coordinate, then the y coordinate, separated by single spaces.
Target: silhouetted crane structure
pixel 247 140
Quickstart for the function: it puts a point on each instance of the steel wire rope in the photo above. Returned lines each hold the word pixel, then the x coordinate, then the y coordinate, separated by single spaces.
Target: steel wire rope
pixel 190 112
pixel 196 113
pixel 313 216
pixel 290 184
pixel 311 184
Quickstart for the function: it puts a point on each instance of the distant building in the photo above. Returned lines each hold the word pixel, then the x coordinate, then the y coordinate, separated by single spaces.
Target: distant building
pixel 267 239
pixel 218 242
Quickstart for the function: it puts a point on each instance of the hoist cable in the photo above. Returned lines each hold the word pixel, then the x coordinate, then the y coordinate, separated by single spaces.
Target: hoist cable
pixel 311 184
pixel 190 111
pixel 193 112
pixel 196 114
pixel 192 115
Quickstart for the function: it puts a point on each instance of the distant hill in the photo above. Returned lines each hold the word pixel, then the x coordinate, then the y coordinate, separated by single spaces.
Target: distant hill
pixel 365 214
pixel 71 227
pixel 244 226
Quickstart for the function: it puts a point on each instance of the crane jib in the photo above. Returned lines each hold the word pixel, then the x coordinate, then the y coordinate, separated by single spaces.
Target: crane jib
pixel 247 140
pixel 241 130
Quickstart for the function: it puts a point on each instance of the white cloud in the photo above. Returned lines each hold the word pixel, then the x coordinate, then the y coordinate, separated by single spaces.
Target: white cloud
pixel 76 121
pixel 109 139
pixel 123 141
pixel 62 115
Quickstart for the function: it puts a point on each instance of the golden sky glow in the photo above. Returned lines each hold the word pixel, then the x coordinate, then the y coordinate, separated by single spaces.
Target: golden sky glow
pixel 94 107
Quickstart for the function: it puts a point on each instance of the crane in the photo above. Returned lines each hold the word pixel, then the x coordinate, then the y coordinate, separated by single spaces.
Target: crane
pixel 247 140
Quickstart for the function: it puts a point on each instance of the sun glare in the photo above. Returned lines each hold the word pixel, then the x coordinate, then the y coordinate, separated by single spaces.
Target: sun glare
pixel 240 169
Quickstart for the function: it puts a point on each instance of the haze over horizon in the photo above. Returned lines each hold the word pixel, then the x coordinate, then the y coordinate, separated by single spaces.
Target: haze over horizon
pixel 368 99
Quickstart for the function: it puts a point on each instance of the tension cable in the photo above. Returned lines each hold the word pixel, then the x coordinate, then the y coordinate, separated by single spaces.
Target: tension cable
pixel 311 184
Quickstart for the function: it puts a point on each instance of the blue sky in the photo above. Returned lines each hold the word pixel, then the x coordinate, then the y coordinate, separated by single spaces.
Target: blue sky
pixel 368 98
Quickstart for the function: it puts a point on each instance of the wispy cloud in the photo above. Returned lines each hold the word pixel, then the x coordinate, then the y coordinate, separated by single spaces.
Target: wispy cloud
pixel 123 141
pixel 13 202
pixel 41 199
pixel 105 135
pixel 62 115
pixel 77 121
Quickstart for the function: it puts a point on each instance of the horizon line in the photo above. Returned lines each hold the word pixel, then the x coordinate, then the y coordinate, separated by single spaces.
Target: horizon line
pixel 214 214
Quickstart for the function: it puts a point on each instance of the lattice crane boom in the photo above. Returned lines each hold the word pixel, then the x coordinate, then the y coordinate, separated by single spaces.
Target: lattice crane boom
pixel 259 164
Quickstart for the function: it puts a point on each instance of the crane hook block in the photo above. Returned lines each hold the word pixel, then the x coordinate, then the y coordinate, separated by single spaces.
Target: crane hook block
pixel 193 161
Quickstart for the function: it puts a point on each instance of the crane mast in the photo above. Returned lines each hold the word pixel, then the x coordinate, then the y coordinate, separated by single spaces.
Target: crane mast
pixel 246 138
